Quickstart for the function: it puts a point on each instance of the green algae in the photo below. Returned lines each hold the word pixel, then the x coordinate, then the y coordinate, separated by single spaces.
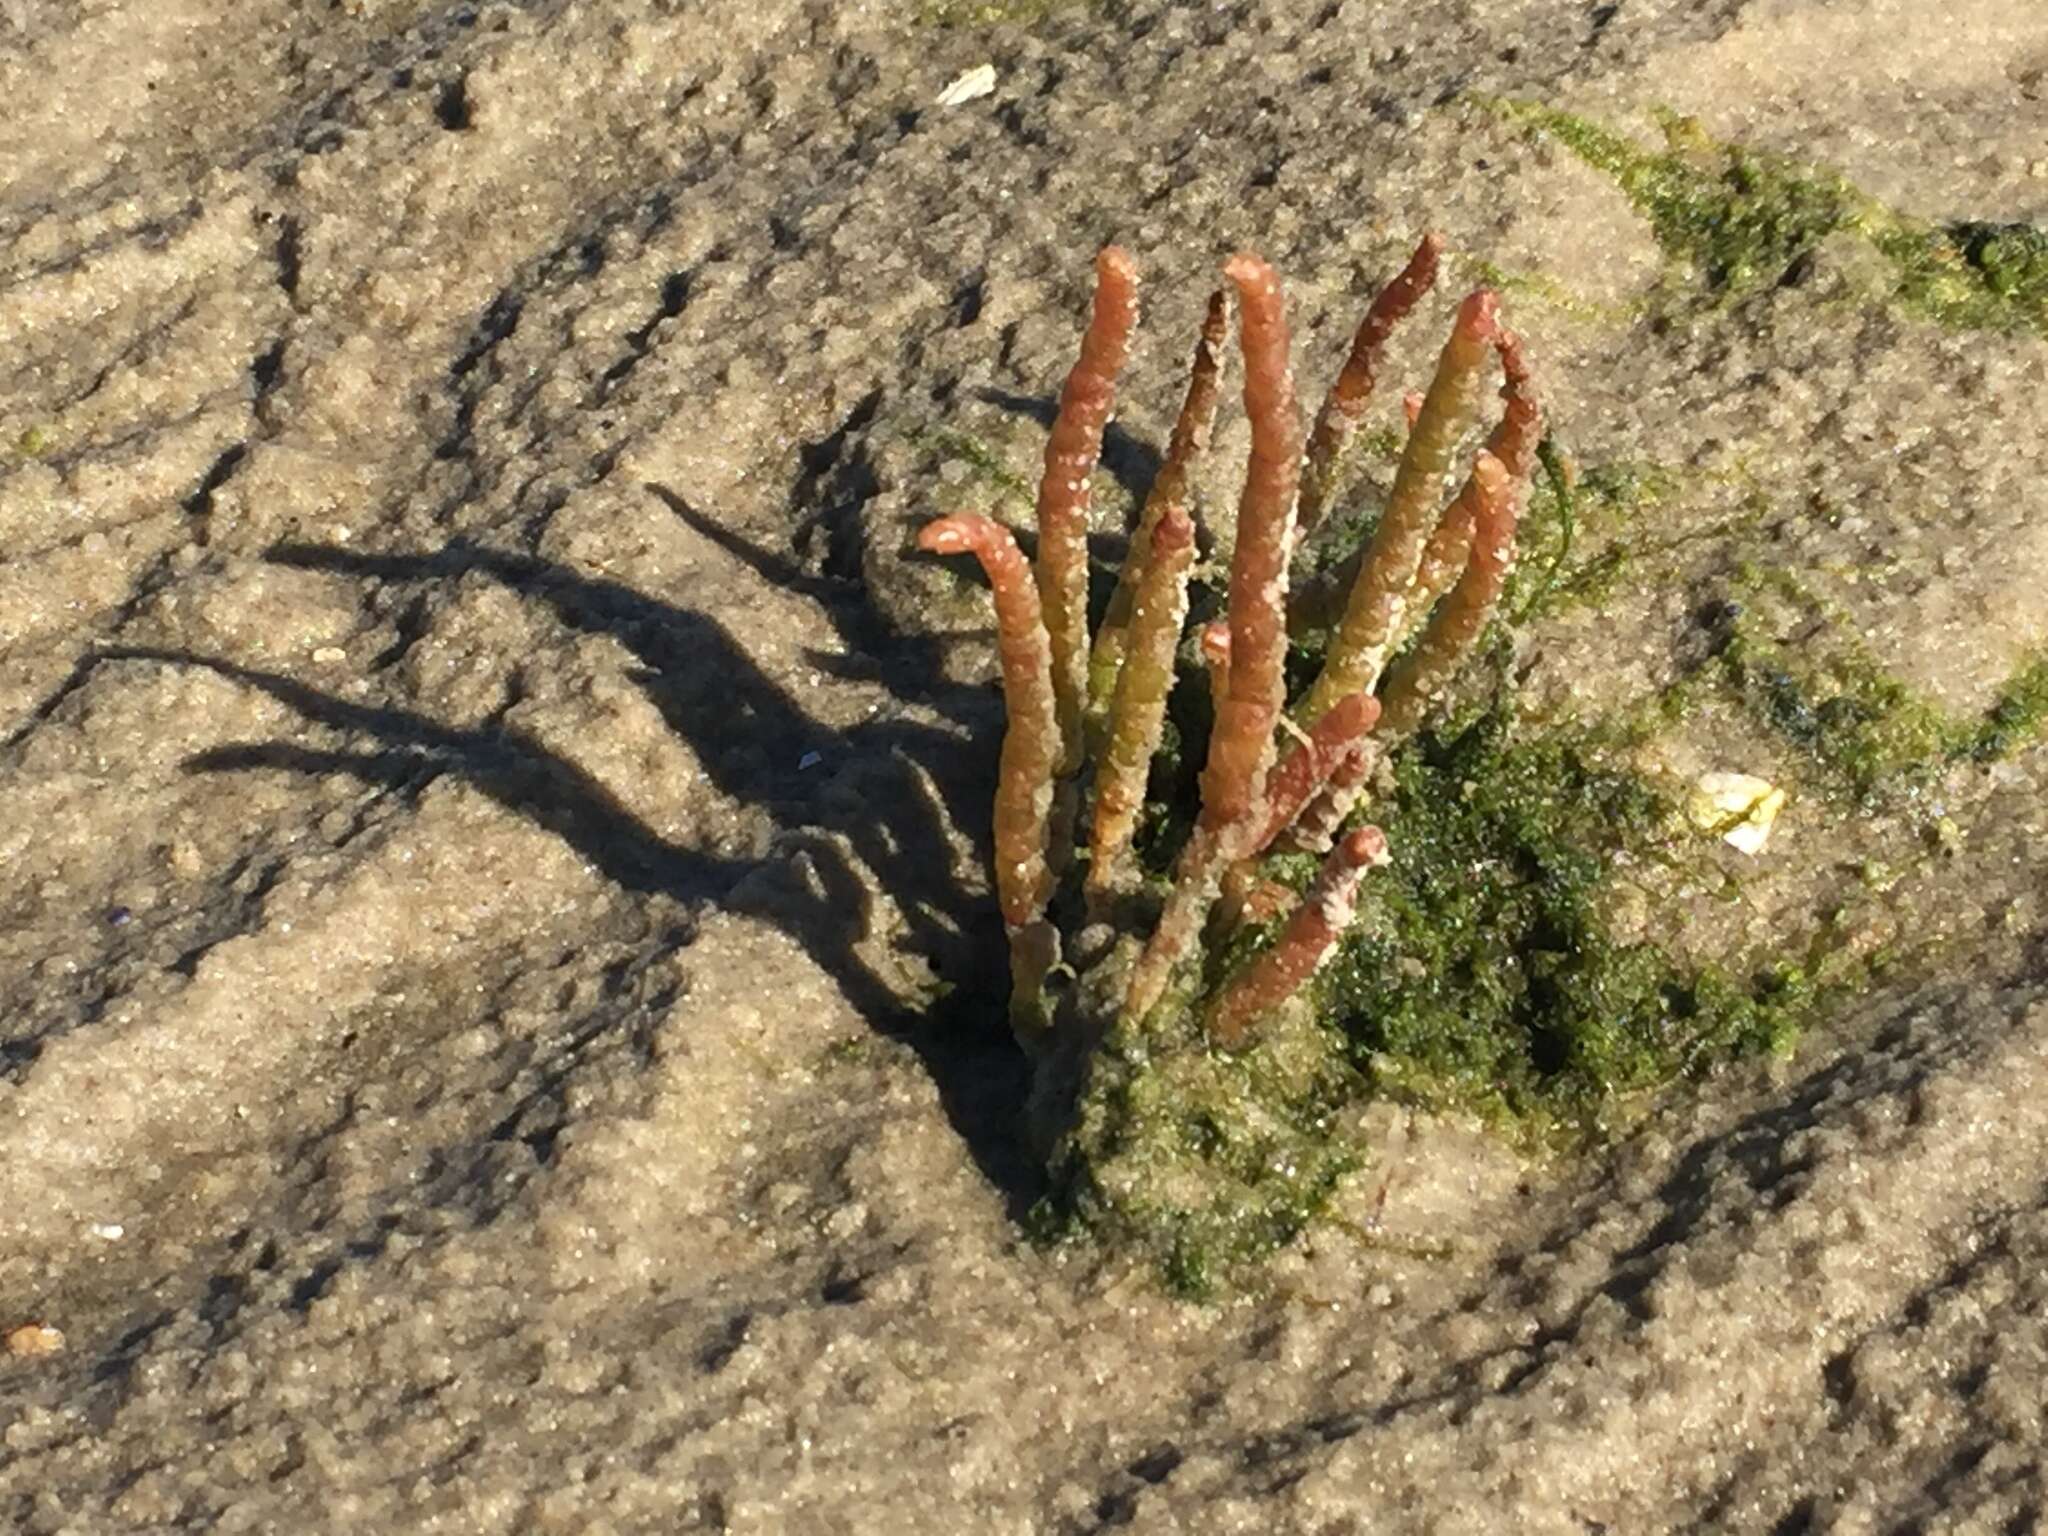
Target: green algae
pixel 1745 218
pixel 1200 1162
pixel 1483 975
pixel 1543 288
pixel 988 471
pixel 1484 972
pixel 2017 718
pixel 1553 574
pixel 1591 532
pixel 1869 737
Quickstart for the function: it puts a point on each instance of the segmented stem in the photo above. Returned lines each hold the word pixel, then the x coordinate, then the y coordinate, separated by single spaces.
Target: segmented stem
pixel 1310 762
pixel 1297 779
pixel 1304 944
pixel 1323 817
pixel 1138 714
pixel 1064 491
pixel 1513 442
pixel 1419 678
pixel 1374 616
pixel 1344 407
pixel 1241 744
pixel 1241 748
pixel 1488 510
pixel 1031 743
pixel 1169 489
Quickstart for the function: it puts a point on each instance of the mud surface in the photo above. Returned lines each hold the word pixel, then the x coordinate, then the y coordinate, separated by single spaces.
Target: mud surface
pixel 499 1001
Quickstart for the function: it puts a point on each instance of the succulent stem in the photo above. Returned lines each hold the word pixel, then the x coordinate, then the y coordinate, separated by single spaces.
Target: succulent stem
pixel 1241 748
pixel 1295 780
pixel 1169 489
pixel 1312 931
pixel 1375 615
pixel 1418 679
pixel 1344 407
pixel 1138 714
pixel 1031 746
pixel 1241 743
pixel 1064 491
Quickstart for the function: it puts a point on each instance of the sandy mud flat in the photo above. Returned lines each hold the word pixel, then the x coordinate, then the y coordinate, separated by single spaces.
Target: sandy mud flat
pixel 500 1001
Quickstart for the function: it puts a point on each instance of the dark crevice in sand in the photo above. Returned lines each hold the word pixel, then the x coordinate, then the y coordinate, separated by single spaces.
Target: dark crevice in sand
pixel 200 502
pixel 266 373
pixel 289 253
pixel 451 104
pixel 675 297
pixel 499 321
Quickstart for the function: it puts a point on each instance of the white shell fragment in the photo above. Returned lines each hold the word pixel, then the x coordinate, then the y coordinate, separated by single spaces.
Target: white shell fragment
pixel 1739 806
pixel 977 82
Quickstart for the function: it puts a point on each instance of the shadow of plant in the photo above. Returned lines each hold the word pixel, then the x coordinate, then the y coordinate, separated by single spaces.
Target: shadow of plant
pixel 878 812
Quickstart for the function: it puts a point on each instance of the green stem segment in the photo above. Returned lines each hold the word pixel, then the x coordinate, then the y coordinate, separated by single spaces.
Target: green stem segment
pixel 1137 716
pixel 1169 489
pixel 1375 615
pixel 1513 442
pixel 1419 678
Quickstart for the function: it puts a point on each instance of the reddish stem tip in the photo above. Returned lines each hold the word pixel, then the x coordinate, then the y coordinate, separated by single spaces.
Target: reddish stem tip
pixel 1116 279
pixel 1479 315
pixel 956 535
pixel 1175 531
pixel 1514 364
pixel 1360 712
pixel 1251 273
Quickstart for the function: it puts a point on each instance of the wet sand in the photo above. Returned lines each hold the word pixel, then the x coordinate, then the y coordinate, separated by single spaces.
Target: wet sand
pixel 501 996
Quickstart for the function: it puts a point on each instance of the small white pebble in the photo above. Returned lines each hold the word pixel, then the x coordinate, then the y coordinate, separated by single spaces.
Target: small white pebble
pixel 108 1231
pixel 327 655
pixel 977 82
pixel 1739 806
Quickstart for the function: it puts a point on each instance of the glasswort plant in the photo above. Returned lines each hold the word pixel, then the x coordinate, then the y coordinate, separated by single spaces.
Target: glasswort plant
pixel 1107 948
